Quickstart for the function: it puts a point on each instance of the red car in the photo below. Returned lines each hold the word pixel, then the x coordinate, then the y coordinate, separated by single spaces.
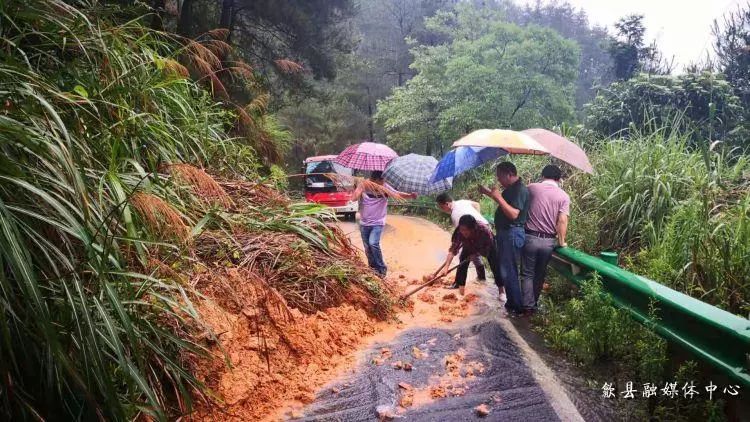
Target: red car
pixel 321 190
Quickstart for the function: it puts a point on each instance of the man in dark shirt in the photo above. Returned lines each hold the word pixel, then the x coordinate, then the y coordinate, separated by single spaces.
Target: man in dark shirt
pixel 510 217
pixel 472 239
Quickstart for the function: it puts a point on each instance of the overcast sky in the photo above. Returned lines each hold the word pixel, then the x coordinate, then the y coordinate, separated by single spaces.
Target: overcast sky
pixel 681 27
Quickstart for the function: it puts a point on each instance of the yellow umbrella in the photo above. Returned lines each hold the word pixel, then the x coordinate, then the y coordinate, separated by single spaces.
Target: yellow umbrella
pixel 509 140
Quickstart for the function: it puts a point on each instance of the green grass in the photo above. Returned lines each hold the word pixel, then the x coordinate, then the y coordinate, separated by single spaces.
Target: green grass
pixel 91 111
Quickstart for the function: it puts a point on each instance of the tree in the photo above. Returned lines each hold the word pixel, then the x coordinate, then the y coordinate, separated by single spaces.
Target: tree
pixel 630 53
pixel 270 33
pixel 488 74
pixel 333 118
pixel 596 64
pixel 702 103
pixel 732 48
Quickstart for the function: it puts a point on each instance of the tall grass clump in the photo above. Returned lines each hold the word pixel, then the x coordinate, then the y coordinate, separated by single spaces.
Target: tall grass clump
pixel 678 215
pixel 90 111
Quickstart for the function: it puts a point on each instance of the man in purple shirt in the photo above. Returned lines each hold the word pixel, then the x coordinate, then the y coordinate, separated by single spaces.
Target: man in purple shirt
pixel 373 208
pixel 547 222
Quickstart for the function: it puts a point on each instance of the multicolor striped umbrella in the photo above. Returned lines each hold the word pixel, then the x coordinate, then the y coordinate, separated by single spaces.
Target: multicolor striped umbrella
pixel 511 141
pixel 411 173
pixel 366 156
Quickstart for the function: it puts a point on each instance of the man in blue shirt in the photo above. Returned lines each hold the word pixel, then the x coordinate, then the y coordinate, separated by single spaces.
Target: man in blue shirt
pixel 510 217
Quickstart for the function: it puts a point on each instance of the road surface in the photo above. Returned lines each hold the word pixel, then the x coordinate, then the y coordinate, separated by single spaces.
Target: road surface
pixel 463 354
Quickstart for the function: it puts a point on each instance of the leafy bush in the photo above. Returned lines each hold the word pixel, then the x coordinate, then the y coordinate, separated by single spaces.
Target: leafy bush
pixel 585 325
pixel 701 103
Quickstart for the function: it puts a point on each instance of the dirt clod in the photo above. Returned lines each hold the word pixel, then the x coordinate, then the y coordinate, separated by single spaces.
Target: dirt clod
pixel 426 297
pixel 482 410
pixel 450 297
pixel 385 413
pixel 405 386
pixel 417 353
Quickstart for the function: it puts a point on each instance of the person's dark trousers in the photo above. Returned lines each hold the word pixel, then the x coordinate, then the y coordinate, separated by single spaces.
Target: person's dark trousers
pixel 537 251
pixel 371 242
pixel 479 266
pixel 509 245
pixel 463 269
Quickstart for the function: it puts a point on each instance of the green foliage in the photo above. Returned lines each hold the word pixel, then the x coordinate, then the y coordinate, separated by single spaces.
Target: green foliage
pixel 702 104
pixel 88 116
pixel 307 31
pixel 94 113
pixel 732 37
pixel 631 55
pixel 704 248
pixel 490 74
pixel 681 214
pixel 595 66
pixel 338 115
pixel 585 326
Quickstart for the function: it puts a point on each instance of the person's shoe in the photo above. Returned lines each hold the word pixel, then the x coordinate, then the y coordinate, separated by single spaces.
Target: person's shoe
pixel 481 279
pixel 509 313
pixel 453 286
pixel 462 290
pixel 503 298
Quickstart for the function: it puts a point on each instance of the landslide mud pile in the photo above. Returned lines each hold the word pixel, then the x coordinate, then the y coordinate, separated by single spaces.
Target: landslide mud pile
pixel 282 296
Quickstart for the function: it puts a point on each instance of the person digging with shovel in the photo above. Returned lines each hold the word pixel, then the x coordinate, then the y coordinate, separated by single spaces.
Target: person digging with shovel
pixel 472 239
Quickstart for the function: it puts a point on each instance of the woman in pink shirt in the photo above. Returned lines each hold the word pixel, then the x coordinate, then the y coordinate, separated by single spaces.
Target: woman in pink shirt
pixel 373 208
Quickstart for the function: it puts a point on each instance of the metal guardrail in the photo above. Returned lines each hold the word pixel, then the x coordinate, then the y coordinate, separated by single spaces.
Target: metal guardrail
pixel 712 335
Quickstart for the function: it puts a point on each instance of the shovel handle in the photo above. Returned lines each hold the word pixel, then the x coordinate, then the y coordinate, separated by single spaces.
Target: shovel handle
pixel 433 279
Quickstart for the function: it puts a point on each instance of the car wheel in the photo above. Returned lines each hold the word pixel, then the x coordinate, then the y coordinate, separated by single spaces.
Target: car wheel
pixel 351 216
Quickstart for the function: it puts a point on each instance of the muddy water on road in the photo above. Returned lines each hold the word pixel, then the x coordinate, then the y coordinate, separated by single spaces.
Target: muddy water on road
pixel 413 247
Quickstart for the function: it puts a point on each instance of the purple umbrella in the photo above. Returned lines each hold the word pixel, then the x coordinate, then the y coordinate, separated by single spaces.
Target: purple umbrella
pixel 366 156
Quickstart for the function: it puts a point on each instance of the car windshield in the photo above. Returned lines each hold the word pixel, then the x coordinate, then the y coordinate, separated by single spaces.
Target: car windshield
pixel 324 167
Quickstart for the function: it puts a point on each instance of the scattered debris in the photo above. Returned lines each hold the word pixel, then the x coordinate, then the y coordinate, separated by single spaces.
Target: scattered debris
pixel 482 410
pixel 335 390
pixel 426 297
pixel 407 366
pixel 450 297
pixel 385 412
pixel 471 298
pixel 473 368
pixel 438 392
pixel 377 361
pixel 496 398
pixel 407 400
pixel 405 386
pixel 417 353
pixel 398 364
pixel 385 353
pixel 432 341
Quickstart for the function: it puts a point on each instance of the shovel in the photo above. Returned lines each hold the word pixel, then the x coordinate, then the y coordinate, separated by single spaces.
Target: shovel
pixel 433 279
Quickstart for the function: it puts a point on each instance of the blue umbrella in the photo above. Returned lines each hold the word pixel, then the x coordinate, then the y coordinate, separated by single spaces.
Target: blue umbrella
pixel 463 159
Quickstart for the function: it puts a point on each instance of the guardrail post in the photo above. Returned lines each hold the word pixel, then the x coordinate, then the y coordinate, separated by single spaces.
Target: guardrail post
pixel 610 257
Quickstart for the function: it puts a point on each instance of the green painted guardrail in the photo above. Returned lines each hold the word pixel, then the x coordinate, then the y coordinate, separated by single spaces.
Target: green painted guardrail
pixel 714 336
